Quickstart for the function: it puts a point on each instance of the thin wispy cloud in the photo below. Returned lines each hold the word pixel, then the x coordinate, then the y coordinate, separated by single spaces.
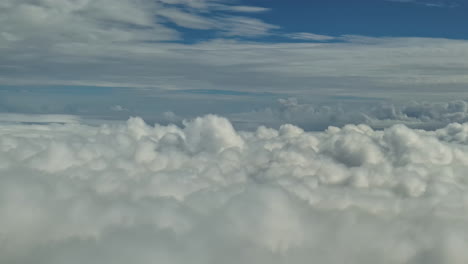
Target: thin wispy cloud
pixel 141 44
pixel 357 64
pixel 429 3
pixel 310 36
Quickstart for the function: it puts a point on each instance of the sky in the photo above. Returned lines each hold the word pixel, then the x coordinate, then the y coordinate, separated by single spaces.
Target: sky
pixel 233 131
pixel 194 57
pixel 436 19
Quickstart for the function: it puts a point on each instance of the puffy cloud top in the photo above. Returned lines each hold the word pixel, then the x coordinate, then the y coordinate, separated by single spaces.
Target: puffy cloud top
pixel 205 193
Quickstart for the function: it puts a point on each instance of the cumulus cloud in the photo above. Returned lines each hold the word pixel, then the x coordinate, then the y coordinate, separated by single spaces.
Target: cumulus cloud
pixel 355 110
pixel 206 193
pixel 246 111
pixel 118 108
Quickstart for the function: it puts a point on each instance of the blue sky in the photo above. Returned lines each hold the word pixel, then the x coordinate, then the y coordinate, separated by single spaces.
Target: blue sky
pixel 378 18
pixel 245 54
pixel 371 17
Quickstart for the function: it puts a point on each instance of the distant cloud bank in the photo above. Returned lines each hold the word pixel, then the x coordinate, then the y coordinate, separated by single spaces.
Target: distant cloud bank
pixel 378 115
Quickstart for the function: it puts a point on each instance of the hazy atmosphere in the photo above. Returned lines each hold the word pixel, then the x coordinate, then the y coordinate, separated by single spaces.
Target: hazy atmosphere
pixel 233 131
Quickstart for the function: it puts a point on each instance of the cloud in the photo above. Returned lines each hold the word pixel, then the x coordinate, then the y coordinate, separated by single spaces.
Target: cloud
pixel 35 25
pixel 246 9
pixel 140 44
pixel 246 110
pixel 206 193
pixel 187 20
pixel 244 26
pixel 118 108
pixel 355 110
pixel 310 36
pixel 35 118
pixel 428 3
pixel 376 67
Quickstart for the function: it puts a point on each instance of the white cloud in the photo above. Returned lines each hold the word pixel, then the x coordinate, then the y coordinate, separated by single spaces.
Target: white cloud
pixel 90 19
pixel 34 26
pixel 246 9
pixel 124 43
pixel 205 193
pixel 25 118
pixel 375 67
pixel 245 26
pixel 188 20
pixel 118 108
pixel 310 36
pixel 355 110
pixel 430 3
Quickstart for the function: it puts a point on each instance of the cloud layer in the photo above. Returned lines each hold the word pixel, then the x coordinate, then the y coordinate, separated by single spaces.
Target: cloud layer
pixel 206 193
pixel 147 43
pixel 355 110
